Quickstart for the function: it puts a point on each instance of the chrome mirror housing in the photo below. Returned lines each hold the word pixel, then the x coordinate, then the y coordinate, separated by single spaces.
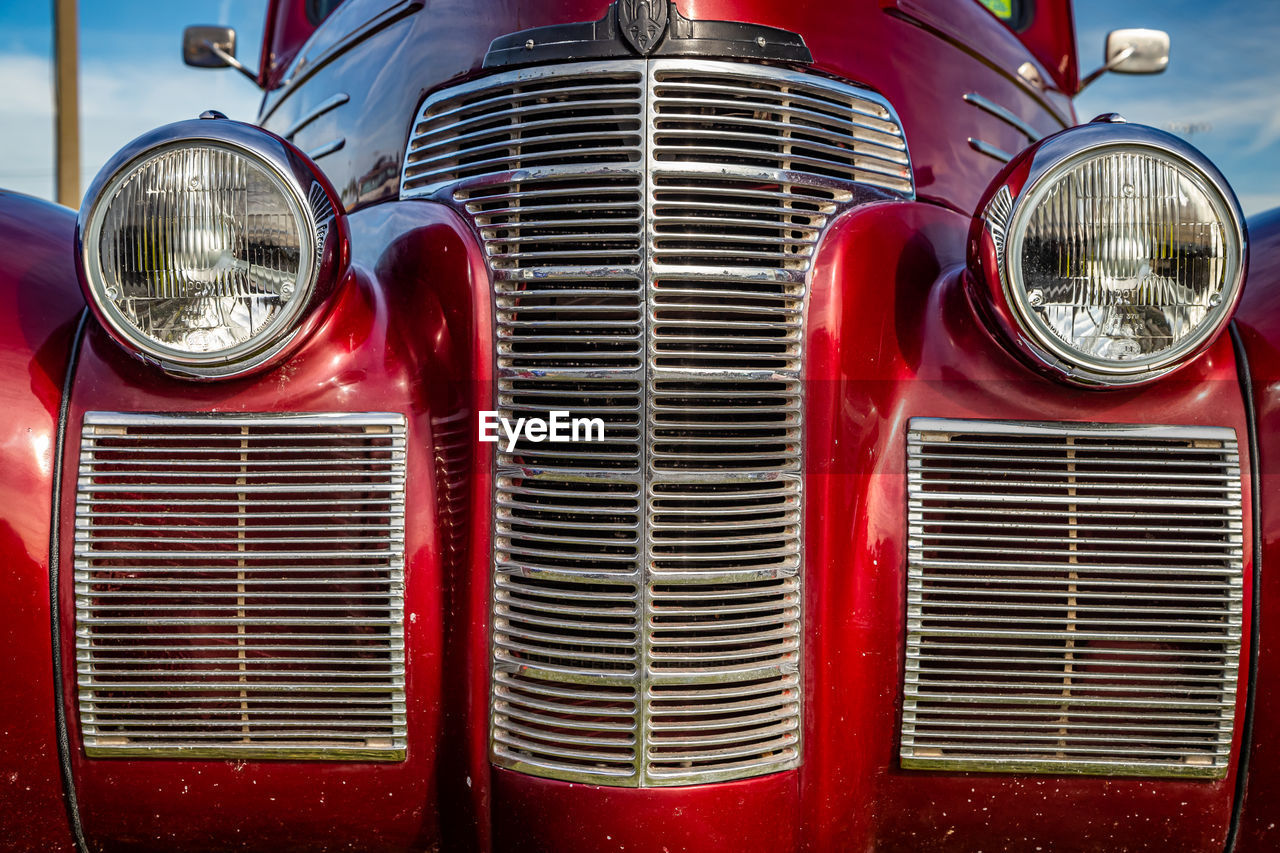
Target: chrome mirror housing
pixel 1132 51
pixel 208 47
pixel 213 47
pixel 1137 51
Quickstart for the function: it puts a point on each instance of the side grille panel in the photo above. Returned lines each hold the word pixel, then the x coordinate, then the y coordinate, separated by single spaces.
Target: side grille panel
pixel 239 586
pixel 649 227
pixel 1074 598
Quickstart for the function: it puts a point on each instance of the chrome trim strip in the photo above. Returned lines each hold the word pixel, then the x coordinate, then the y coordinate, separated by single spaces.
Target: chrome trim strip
pixel 1084 428
pixel 644 708
pixel 327 148
pixel 1074 598
pixel 997 215
pixel 990 150
pixel 330 103
pixel 274 419
pixel 1004 115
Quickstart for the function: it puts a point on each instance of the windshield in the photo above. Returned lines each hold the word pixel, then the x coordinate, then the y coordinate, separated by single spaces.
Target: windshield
pixel 1009 11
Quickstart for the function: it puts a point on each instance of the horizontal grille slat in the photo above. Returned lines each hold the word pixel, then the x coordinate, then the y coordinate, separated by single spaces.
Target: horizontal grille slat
pixel 1074 599
pixel 649 226
pixel 215 617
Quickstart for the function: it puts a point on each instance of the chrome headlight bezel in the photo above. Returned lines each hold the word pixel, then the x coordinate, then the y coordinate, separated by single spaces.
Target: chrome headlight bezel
pixel 323 244
pixel 995 246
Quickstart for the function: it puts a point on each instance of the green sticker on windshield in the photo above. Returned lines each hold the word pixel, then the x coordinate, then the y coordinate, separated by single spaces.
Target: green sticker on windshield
pixel 1002 9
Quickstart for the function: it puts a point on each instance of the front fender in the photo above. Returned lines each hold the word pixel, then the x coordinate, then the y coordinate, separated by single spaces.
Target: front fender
pixel 1258 324
pixel 394 340
pixel 40 303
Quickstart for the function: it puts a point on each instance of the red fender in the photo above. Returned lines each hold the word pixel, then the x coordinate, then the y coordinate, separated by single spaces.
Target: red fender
pixel 1258 323
pixel 40 304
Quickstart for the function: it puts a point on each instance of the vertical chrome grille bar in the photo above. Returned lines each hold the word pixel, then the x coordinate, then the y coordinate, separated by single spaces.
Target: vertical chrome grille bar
pixel 650 227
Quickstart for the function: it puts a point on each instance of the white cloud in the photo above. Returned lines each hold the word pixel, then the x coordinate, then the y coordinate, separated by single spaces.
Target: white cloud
pixel 26 124
pixel 1269 133
pixel 1248 107
pixel 1259 202
pixel 117 103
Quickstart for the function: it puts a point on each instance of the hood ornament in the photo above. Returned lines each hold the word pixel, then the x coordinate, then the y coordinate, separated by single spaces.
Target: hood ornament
pixel 642 23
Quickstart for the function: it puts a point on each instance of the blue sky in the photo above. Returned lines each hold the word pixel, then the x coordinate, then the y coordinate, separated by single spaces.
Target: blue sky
pixel 1222 89
pixel 131 78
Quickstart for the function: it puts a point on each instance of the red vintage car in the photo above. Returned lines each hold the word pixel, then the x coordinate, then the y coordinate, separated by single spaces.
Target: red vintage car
pixel 711 425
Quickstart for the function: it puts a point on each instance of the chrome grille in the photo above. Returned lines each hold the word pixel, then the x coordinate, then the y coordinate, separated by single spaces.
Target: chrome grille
pixel 649 226
pixel 239 585
pixel 1074 598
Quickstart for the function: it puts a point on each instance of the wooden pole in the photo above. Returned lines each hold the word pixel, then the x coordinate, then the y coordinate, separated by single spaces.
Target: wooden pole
pixel 66 108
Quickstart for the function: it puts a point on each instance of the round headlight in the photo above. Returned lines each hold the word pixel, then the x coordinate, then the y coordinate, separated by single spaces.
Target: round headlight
pixel 1119 252
pixel 202 251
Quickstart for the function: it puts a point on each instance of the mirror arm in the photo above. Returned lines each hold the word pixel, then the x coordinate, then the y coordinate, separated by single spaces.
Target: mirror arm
pixel 231 61
pixel 1111 65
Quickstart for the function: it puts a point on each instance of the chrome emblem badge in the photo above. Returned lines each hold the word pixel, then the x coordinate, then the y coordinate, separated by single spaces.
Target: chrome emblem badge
pixel 642 23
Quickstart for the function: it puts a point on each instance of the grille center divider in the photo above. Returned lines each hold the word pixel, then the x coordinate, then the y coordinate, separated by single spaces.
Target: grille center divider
pixel 649 227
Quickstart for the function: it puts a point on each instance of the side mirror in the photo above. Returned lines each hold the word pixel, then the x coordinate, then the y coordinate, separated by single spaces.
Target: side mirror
pixel 212 47
pixel 1137 51
pixel 199 44
pixel 1133 51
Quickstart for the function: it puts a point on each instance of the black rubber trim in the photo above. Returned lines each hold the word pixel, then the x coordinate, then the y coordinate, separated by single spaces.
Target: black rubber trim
pixel 678 36
pixel 55 610
pixel 1255 621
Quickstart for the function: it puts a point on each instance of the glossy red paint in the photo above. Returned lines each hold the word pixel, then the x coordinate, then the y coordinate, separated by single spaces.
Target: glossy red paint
pixel 1258 320
pixel 544 816
pixel 388 345
pixel 1051 44
pixel 891 334
pixel 39 307
pixel 285 30
pixel 1051 37
pixel 430 248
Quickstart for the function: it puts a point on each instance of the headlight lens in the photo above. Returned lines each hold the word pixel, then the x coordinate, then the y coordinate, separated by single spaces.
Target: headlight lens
pixel 202 253
pixel 1118 261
